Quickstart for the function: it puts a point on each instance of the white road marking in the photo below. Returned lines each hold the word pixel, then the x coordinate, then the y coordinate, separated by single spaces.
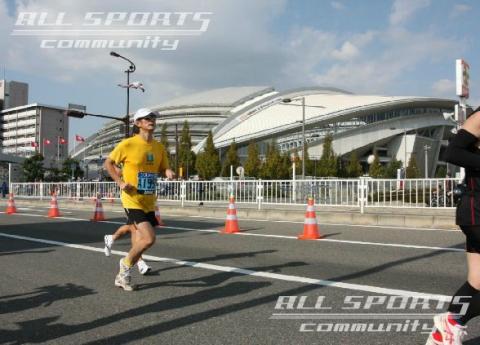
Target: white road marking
pixel 262 274
pixel 381 244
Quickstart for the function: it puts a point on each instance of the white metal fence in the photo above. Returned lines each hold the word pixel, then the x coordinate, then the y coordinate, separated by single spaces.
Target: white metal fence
pixel 361 192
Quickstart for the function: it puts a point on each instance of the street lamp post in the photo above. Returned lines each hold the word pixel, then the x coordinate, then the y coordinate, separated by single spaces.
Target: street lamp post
pixel 426 148
pixel 176 149
pixel 303 138
pixel 289 100
pixel 130 69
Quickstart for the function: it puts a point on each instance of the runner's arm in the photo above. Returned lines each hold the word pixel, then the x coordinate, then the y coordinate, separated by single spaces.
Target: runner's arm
pixel 110 166
pixel 458 150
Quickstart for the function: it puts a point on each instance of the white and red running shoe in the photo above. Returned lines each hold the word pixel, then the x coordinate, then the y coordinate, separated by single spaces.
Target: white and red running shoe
pixel 435 338
pixel 452 334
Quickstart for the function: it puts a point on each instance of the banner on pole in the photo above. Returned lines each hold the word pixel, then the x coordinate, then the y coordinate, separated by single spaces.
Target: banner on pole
pixel 463 78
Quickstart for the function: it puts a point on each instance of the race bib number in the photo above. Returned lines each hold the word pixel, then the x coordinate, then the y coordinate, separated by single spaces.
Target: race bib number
pixel 147 183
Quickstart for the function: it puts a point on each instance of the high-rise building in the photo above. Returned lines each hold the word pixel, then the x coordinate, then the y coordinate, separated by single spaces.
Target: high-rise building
pixel 32 128
pixel 29 128
pixel 13 94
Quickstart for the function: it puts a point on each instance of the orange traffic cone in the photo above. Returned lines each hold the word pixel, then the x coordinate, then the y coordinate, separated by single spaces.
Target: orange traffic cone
pixel 11 209
pixel 231 224
pixel 159 218
pixel 53 211
pixel 98 215
pixel 310 226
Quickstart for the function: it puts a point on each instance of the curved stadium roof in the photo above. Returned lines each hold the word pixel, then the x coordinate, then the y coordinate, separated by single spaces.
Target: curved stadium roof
pixel 258 113
pixel 272 117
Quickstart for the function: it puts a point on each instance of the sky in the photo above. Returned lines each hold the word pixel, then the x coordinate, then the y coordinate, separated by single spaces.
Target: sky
pixel 381 47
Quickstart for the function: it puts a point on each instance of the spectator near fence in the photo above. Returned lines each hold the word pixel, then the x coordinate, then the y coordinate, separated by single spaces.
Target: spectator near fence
pixel 4 189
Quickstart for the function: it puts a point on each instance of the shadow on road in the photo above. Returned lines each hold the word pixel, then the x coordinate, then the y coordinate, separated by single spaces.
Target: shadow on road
pixel 42 297
pixel 214 287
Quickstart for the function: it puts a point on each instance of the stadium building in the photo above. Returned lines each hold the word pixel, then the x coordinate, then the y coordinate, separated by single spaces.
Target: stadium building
pixel 390 126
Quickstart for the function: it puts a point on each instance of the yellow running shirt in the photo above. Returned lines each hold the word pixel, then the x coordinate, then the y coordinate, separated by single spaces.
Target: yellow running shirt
pixel 142 161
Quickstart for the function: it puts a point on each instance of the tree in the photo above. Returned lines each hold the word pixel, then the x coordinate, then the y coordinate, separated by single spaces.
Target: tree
pixel 441 172
pixel 253 162
pixel 186 157
pixel 230 159
pixel 309 167
pixel 376 169
pixel 66 172
pixel 354 168
pixel 208 163
pixel 341 168
pixel 392 167
pixel 284 167
pixel 412 168
pixel 33 168
pixel 164 137
pixel 328 161
pixel 272 161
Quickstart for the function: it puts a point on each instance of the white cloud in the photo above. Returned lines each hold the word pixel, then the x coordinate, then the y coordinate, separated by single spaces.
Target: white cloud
pixel 377 71
pixel 237 47
pixel 348 51
pixel 403 10
pixel 461 8
pixel 5 22
pixel 337 5
pixel 444 87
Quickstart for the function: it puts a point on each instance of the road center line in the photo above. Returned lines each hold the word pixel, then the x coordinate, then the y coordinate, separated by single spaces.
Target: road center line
pixel 242 271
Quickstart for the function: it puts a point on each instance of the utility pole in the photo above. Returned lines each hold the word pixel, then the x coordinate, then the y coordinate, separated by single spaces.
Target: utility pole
pixel 426 148
pixel 176 149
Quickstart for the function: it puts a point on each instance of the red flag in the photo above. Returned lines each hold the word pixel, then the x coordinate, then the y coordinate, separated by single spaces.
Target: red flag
pixel 79 138
pixel 34 144
pixel 46 142
pixel 62 140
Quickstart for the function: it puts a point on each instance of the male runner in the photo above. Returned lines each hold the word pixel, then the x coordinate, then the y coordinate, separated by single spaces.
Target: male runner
pixel 143 268
pixel 143 158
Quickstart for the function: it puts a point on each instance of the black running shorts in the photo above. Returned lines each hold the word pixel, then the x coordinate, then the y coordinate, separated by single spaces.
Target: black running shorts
pixel 473 238
pixel 136 216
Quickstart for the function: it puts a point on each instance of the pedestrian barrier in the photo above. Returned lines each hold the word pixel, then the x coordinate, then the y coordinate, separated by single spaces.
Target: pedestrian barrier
pixel 231 223
pixel 310 225
pixel 359 193
pixel 53 211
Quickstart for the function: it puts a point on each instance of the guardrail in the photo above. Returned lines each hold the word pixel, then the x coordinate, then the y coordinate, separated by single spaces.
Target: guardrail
pixel 361 192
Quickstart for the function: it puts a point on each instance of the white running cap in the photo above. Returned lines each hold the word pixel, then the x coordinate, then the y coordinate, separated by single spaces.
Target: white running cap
pixel 143 112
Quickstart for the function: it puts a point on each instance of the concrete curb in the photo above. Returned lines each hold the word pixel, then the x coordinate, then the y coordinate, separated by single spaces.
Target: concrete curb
pixel 416 218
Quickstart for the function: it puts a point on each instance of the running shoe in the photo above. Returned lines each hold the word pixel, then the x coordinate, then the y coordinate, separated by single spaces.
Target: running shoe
pixel 108 239
pixel 435 338
pixel 451 334
pixel 143 268
pixel 124 278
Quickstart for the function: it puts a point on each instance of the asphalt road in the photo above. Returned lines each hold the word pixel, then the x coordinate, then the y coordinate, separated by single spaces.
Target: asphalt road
pixel 56 285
